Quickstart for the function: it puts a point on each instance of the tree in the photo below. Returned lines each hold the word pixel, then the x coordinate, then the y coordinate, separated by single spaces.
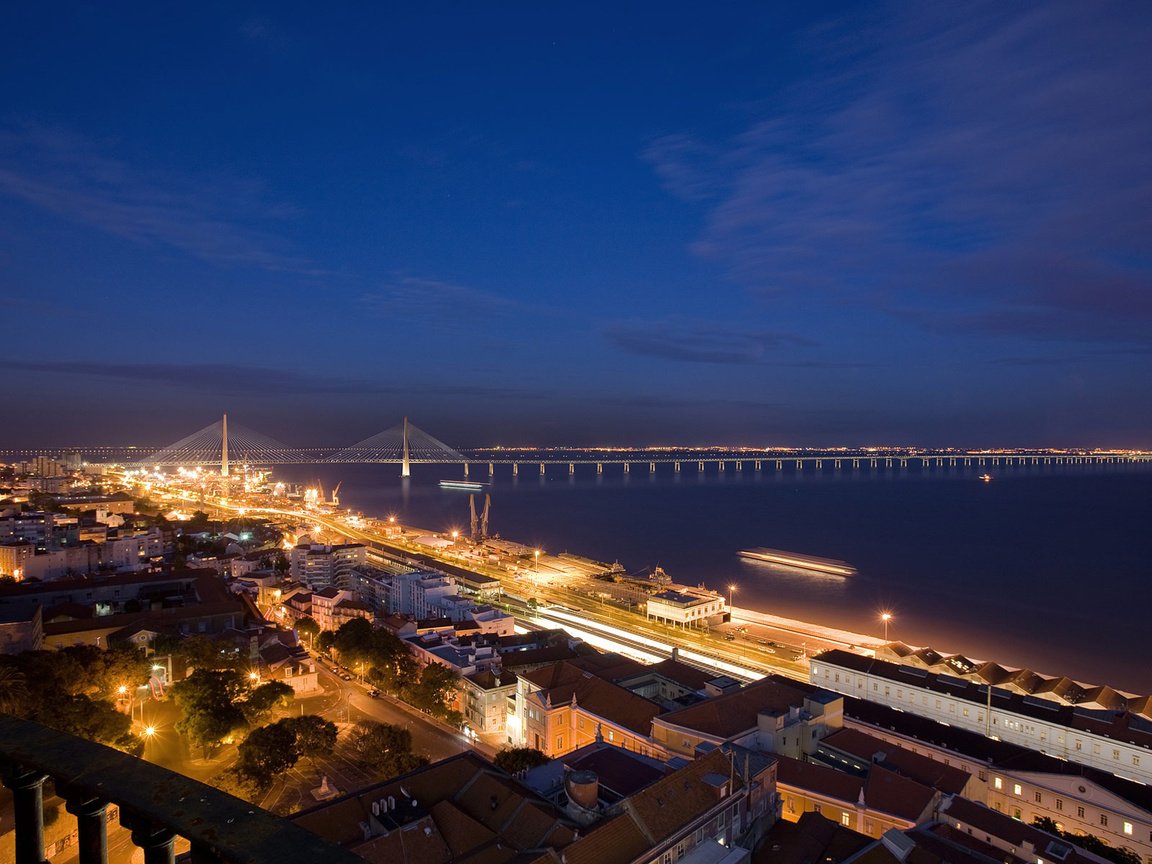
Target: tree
pixel 308 627
pixel 315 736
pixel 434 689
pixel 383 748
pixel 326 640
pixel 266 752
pixel 1090 842
pixel 273 749
pixel 515 759
pixel 13 690
pixel 209 703
pixel 264 698
pixel 354 640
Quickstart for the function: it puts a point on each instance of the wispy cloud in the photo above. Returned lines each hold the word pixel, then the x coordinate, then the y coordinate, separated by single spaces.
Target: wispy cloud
pixel 249 380
pixel 991 163
pixel 446 304
pixel 213 218
pixel 699 343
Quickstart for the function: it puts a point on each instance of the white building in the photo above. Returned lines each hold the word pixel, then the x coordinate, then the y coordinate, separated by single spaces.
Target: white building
pixel 319 566
pixel 688 607
pixel 1116 741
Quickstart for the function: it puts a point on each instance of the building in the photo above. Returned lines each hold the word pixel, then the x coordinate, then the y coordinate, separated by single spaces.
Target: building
pixel 880 801
pixel 567 705
pixel 319 566
pixel 768 715
pixel 332 608
pixel 1017 781
pixel 484 698
pixel 21 628
pixel 687 607
pixel 1116 739
pixel 462 809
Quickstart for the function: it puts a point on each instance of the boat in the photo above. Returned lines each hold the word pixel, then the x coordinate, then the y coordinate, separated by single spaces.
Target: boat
pixel 466 485
pixel 830 566
pixel 987 478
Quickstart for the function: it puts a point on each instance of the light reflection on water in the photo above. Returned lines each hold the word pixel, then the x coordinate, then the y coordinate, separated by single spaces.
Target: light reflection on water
pixel 1044 566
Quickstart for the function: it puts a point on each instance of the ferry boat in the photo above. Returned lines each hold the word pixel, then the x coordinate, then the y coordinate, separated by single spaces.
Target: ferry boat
pixel 465 485
pixel 987 478
pixel 831 566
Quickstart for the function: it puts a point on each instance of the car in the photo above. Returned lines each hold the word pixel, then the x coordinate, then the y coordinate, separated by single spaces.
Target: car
pixel 374 693
pixel 730 637
pixel 345 676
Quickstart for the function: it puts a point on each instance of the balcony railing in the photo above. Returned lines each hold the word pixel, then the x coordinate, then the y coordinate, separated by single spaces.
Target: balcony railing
pixel 156 805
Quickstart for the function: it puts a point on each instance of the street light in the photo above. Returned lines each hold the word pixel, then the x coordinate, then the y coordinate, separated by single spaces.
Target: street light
pixel 731 594
pixel 537 553
pixel 885 617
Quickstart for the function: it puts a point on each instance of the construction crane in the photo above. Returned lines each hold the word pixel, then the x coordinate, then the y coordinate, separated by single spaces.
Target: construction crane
pixel 336 494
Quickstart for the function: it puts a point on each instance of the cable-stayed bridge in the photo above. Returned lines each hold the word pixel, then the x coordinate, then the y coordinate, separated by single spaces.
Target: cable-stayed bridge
pixel 225 445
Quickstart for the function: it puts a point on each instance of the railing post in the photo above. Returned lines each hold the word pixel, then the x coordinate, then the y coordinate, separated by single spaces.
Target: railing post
pixel 91 825
pixel 157 841
pixel 28 809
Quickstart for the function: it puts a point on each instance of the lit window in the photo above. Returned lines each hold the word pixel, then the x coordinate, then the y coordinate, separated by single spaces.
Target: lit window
pixel 844 820
pixel 1017 789
pixel 1128 828
pixel 998 783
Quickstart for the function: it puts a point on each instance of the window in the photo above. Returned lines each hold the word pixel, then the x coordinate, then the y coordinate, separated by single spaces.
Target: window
pixel 1016 813
pixel 1128 828
pixel 983 776
pixel 1017 789
pixel 1116 755
pixel 998 783
pixel 1079 744
pixel 611 735
pixel 1104 819
pixel 1039 798
pixel 816 808
pixel 1136 761
pixel 844 819
pixel 1059 803
pixel 1080 812
pixel 559 742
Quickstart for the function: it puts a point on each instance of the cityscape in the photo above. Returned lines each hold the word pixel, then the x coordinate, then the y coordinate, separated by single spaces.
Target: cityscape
pixel 526 435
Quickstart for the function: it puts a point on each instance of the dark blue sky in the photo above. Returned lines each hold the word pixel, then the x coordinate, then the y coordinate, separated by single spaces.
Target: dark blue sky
pixel 927 223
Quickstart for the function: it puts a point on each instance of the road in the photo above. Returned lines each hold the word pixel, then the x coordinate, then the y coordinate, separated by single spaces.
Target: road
pixel 345 703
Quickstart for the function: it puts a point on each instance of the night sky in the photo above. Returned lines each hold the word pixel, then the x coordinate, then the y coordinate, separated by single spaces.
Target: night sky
pixel 921 223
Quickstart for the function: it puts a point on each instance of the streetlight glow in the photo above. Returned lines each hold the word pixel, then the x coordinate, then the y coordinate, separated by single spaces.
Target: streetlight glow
pixel 149 731
pixel 885 617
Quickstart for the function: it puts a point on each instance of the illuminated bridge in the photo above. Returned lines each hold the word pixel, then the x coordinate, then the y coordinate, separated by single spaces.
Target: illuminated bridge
pixel 224 446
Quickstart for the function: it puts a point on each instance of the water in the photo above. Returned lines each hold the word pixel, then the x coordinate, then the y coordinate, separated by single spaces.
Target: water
pixel 1045 567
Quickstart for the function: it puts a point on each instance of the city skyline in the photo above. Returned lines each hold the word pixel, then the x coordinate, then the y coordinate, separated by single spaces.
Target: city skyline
pixel 843 225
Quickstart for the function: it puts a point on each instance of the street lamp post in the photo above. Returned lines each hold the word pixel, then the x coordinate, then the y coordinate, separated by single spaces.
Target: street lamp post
pixel 537 554
pixel 885 617
pixel 731 595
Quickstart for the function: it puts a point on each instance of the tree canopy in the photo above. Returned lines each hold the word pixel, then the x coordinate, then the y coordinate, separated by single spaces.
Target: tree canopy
pixel 383 748
pixel 273 749
pixel 515 759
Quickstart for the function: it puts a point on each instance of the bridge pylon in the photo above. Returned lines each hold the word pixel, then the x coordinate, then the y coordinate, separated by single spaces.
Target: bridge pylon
pixel 406 465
